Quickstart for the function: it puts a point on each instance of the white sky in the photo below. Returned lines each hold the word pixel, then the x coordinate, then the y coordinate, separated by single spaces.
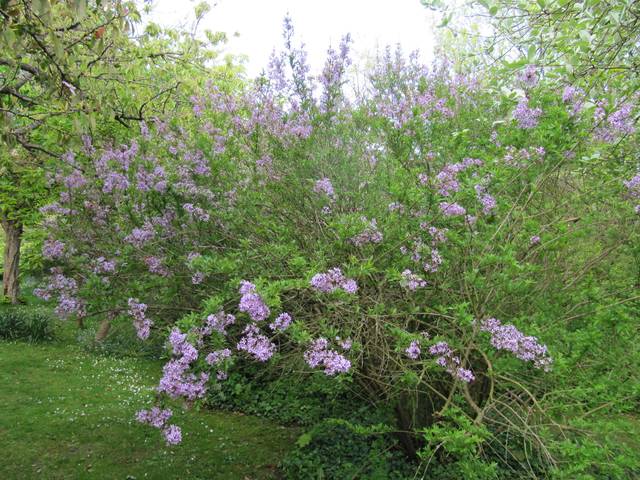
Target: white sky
pixel 373 24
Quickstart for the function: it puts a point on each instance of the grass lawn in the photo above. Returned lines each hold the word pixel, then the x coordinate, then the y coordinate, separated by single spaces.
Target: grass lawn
pixel 68 414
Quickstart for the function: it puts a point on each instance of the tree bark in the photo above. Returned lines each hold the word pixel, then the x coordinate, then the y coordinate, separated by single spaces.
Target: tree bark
pixel 13 238
pixel 103 329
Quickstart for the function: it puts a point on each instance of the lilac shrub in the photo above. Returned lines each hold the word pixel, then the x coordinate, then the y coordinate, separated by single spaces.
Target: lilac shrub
pixel 382 223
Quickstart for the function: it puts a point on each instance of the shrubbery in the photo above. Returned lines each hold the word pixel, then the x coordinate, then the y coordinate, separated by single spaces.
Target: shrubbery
pixel 431 245
pixel 26 323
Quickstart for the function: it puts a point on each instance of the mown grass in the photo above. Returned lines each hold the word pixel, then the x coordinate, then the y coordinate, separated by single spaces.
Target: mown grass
pixel 69 414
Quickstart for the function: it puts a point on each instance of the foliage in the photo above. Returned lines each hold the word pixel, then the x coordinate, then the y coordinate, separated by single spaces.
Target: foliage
pixel 26 323
pixel 339 449
pixel 437 246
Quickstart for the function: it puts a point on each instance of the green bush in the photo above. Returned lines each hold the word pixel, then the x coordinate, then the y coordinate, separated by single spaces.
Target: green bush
pixel 336 449
pixel 32 324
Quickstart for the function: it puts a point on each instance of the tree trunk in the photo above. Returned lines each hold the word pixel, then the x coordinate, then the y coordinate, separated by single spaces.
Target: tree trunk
pixel 103 329
pixel 13 238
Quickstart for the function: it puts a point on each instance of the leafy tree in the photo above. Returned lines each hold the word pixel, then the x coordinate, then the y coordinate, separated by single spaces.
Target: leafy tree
pixel 72 68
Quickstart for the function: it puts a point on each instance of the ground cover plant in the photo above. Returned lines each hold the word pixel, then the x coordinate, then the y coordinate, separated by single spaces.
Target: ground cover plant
pixel 436 275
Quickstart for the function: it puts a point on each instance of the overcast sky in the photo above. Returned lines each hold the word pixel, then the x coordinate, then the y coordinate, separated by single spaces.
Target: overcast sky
pixel 373 24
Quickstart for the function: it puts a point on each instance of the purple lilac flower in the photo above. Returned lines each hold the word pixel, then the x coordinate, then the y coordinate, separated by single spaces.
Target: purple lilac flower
pixel 140 236
pixel 102 265
pixel 487 201
pixel 196 212
pixel 452 209
pixel 525 116
pixel 534 240
pixel 344 344
pixel 526 348
pixel 251 302
pixel 53 249
pixel 413 350
pixel 140 321
pixel 256 344
pixel 221 375
pixel 450 362
pixel 529 77
pixel 324 186
pixel 218 356
pixel 156 265
pixel 281 322
pixel 370 234
pixel 218 322
pixel 155 417
pixel 319 355
pixel 115 181
pixel 172 434
pixel 411 281
pixel 332 280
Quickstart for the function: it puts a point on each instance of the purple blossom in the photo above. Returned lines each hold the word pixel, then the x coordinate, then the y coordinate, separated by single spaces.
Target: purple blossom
pixel 487 201
pixel 102 265
pixel 525 116
pixel 324 186
pixel 156 265
pixel 411 281
pixel 508 337
pixel 534 240
pixel 155 417
pixel 197 278
pixel 452 209
pixel 256 344
pixel 218 322
pixel 140 236
pixel 218 356
pixel 370 234
pixel 251 302
pixel 281 322
pixel 319 355
pixel 53 249
pixel 140 321
pixel 172 434
pixel 413 350
pixel 529 77
pixel 333 280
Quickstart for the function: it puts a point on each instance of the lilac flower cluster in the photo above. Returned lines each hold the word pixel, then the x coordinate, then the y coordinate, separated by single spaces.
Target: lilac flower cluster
pixel 529 77
pixel 526 348
pixel 197 278
pixel 452 209
pixel 196 212
pixel 413 350
pixel 319 354
pixel 156 265
pixel 251 302
pixel 487 201
pixel 450 362
pixel 256 344
pixel 65 289
pixel 521 158
pixel 176 381
pixel 53 249
pixel 411 281
pixel 102 265
pixel 447 179
pixel 157 418
pixel 218 356
pixel 525 116
pixel 574 98
pixel 324 186
pixel 154 180
pixel 140 236
pixel 218 323
pixel 618 124
pixel 140 321
pixel 370 234
pixel 633 190
pixel 333 280
pixel 281 322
